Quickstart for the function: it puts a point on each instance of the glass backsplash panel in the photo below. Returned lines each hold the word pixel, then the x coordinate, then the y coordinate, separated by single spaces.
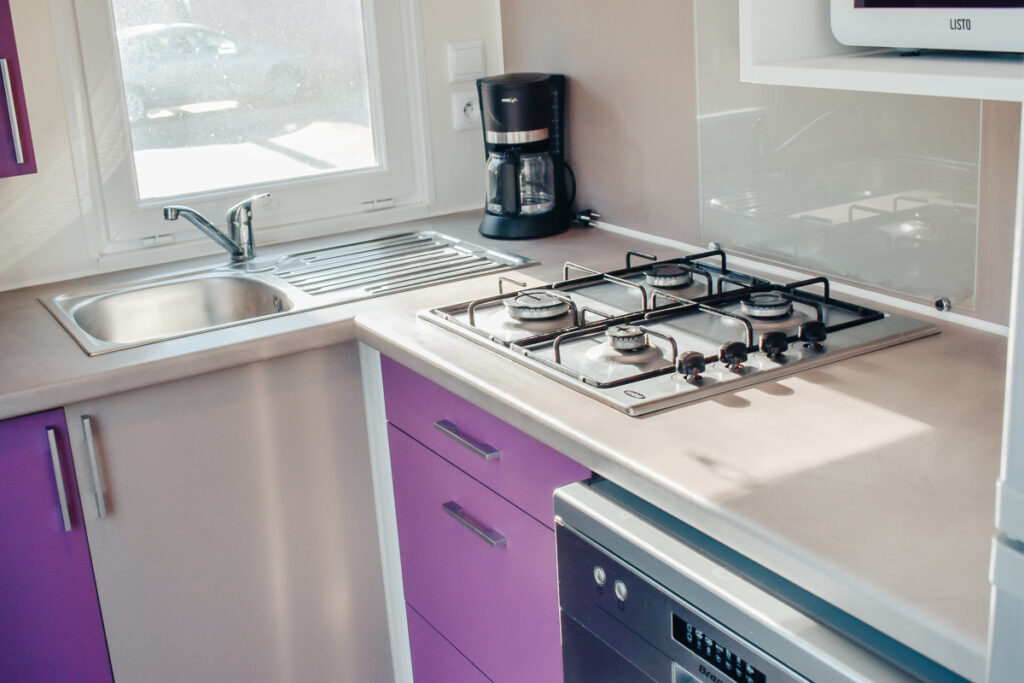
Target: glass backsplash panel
pixel 876 189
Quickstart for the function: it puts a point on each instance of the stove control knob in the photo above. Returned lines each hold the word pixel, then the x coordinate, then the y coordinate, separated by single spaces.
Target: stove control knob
pixel 690 364
pixel 620 591
pixel 813 333
pixel 774 344
pixel 600 577
pixel 733 354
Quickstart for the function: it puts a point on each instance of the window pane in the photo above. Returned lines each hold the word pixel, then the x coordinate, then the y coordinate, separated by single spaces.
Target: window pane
pixel 227 93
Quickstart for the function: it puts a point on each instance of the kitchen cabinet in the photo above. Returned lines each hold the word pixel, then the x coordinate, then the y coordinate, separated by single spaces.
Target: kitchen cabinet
pixel 232 527
pixel 50 624
pixel 473 499
pixel 17 156
pixel 790 42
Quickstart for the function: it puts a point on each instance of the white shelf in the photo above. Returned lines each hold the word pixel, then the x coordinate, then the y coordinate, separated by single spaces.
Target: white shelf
pixel 790 42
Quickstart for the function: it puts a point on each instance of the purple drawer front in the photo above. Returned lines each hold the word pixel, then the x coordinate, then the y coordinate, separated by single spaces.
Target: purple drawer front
pixel 525 471
pixel 434 660
pixel 497 605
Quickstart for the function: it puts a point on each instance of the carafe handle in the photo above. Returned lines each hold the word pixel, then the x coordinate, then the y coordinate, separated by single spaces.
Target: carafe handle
pixel 508 178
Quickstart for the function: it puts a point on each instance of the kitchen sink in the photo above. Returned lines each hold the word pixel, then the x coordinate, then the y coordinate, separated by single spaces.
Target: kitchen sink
pixel 132 314
pixel 160 310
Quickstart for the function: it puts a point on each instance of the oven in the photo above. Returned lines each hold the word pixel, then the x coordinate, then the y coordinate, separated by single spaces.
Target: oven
pixel 644 597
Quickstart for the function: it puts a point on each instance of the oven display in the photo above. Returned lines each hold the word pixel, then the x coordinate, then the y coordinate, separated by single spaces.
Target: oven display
pixel 938 4
pixel 719 656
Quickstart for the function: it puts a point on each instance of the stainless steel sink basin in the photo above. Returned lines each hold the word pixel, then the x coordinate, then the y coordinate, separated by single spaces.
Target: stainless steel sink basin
pixel 156 311
pixel 114 318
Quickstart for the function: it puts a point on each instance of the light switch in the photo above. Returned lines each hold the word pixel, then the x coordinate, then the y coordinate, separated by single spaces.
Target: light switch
pixel 465 60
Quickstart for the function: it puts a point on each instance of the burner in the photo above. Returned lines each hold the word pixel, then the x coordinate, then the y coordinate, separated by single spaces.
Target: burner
pixel 767 305
pixel 536 306
pixel 626 338
pixel 668 275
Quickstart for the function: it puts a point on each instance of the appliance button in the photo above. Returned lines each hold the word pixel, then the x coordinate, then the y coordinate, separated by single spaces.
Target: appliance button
pixel 599 576
pixel 620 591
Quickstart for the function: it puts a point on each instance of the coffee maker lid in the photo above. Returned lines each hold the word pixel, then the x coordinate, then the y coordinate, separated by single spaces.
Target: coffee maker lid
pixel 517 108
pixel 520 79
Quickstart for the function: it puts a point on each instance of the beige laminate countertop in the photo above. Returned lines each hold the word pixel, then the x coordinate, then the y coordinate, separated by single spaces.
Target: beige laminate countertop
pixel 880 501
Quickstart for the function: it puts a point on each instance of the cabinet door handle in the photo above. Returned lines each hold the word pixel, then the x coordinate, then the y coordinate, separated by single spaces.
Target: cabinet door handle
pixel 19 154
pixel 485 451
pixel 493 538
pixel 94 465
pixel 58 477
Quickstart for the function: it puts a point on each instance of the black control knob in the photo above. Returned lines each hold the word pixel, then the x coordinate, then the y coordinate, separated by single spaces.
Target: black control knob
pixel 774 344
pixel 691 364
pixel 733 354
pixel 813 333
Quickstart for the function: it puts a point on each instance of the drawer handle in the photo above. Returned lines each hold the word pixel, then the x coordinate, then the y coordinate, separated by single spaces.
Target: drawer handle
pixel 94 464
pixel 58 476
pixel 12 112
pixel 485 451
pixel 493 538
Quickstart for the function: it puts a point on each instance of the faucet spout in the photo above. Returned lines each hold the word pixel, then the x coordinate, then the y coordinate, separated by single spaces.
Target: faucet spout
pixel 239 242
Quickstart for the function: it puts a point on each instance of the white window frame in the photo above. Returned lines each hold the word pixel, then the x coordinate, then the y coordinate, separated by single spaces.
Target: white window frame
pixel 122 229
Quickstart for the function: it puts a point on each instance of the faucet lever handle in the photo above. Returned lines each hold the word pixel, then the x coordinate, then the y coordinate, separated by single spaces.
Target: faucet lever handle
pixel 234 214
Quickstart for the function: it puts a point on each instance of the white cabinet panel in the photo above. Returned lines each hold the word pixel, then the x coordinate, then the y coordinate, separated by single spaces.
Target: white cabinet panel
pixel 240 539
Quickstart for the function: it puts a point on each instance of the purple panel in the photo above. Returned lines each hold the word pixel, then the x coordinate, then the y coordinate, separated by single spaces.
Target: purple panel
pixel 50 626
pixel 497 605
pixel 9 51
pixel 526 472
pixel 434 660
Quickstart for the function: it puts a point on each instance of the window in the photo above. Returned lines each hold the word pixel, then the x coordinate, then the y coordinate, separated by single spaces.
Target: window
pixel 205 102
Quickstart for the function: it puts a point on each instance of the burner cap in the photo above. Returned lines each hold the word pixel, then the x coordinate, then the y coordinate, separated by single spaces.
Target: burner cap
pixel 626 337
pixel 767 305
pixel 535 306
pixel 668 275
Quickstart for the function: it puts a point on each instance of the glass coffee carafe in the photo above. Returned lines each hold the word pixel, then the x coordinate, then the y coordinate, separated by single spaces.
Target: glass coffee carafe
pixel 520 184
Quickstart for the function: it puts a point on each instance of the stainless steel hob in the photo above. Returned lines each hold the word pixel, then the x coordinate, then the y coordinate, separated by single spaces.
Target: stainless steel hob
pixel 660 333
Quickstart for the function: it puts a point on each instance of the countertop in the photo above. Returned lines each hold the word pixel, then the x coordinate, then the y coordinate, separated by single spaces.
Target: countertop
pixel 869 482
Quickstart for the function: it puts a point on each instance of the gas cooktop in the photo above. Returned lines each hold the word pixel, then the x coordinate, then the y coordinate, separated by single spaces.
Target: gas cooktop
pixel 667 332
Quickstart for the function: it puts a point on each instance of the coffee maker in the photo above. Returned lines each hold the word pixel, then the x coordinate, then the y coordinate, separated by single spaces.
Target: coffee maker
pixel 523 116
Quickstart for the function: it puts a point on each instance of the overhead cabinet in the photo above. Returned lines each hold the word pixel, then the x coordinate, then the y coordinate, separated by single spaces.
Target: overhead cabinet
pixel 790 42
pixel 16 154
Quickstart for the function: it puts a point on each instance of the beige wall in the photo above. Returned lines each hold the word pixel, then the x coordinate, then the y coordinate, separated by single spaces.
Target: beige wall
pixel 633 129
pixel 631 101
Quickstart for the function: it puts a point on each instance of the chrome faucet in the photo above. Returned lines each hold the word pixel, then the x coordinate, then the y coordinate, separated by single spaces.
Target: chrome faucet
pixel 238 242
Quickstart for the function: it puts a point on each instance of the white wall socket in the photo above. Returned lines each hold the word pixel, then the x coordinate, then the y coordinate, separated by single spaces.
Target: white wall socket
pixel 465 110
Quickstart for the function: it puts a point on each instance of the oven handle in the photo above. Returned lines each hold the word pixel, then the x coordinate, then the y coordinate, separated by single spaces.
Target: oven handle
pixel 493 538
pixel 451 430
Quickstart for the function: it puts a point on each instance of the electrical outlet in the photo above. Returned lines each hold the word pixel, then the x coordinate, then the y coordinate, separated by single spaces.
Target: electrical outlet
pixel 465 110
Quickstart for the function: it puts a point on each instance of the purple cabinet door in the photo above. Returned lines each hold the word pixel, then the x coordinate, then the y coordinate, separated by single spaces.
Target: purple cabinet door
pixel 495 599
pixel 434 659
pixel 15 139
pixel 524 470
pixel 50 626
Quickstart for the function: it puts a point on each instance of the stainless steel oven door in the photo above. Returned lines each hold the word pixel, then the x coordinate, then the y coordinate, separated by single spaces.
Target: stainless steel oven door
pixel 638 604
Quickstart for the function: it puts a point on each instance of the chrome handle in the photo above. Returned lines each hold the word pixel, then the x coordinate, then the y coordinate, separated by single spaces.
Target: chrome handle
pixel 485 451
pixel 493 538
pixel 94 464
pixel 58 477
pixel 19 154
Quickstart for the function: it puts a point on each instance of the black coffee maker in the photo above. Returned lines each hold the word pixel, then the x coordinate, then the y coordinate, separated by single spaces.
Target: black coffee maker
pixel 523 117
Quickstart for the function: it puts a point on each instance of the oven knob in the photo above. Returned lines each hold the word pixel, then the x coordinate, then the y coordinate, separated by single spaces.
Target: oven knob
pixel 733 354
pixel 813 333
pixel 599 576
pixel 691 364
pixel 774 344
pixel 620 591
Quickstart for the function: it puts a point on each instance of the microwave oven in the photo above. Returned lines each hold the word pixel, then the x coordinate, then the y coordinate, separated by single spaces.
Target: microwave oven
pixel 986 25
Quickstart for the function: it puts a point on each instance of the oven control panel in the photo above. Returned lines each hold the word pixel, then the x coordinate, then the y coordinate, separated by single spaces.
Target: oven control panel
pixel 605 595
